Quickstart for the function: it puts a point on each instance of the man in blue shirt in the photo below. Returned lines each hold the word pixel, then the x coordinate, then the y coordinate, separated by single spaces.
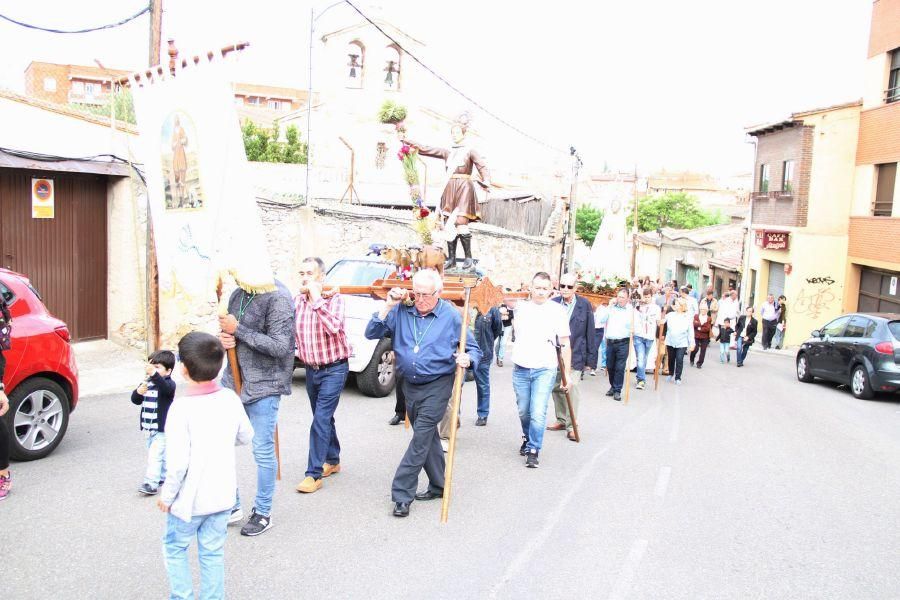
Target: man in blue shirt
pixel 425 340
pixel 618 324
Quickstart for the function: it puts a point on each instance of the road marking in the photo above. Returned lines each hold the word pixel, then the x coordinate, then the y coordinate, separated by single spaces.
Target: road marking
pixel 662 481
pixel 676 421
pixel 635 556
pixel 538 540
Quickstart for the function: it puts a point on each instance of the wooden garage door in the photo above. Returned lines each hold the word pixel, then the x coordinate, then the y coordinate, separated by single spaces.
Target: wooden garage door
pixel 65 257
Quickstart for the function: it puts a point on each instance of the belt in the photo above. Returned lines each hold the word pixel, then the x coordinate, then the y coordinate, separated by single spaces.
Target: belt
pixel 320 367
pixel 617 340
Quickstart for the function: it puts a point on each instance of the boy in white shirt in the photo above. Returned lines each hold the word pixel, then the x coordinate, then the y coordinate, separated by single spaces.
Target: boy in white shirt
pixel 202 429
pixel 540 325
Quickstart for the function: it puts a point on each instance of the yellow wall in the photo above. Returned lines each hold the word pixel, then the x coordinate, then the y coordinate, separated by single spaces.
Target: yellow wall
pixel 815 287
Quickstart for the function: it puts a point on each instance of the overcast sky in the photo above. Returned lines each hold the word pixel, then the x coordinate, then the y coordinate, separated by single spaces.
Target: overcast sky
pixel 655 83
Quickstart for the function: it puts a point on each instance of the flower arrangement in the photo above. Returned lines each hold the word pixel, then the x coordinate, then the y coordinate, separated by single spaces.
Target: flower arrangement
pixel 590 281
pixel 423 221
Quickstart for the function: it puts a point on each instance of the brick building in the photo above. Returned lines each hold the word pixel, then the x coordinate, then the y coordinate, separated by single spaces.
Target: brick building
pixel 81 84
pixel 873 264
pixel 800 211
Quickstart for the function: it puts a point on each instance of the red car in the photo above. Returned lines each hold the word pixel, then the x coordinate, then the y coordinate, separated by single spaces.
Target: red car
pixel 41 377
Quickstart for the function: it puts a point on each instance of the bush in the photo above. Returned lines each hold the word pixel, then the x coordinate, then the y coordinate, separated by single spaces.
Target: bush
pixel 262 145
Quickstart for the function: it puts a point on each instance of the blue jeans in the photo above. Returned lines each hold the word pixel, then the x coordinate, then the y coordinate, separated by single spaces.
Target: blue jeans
pixel 210 531
pixel 324 387
pixel 483 387
pixel 501 343
pixel 724 352
pixel 533 388
pixel 642 350
pixel 600 340
pixel 156 458
pixel 263 415
pixel 742 350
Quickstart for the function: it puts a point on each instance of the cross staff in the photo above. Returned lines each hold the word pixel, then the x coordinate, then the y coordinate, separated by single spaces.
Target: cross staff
pixel 564 380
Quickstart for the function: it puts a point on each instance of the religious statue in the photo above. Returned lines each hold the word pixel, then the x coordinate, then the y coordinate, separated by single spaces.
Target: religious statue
pixel 459 203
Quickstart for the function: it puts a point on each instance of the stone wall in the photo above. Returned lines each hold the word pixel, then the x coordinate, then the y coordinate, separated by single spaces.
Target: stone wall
pixel 339 231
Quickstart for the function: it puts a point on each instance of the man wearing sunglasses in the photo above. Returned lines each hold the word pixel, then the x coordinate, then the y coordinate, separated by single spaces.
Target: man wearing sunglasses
pixel 584 353
pixel 425 334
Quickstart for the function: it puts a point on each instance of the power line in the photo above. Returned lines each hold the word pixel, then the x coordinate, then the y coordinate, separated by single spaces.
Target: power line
pixel 453 87
pixel 88 30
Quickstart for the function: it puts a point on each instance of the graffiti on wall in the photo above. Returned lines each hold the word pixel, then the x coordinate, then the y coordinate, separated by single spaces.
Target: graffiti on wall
pixel 816 298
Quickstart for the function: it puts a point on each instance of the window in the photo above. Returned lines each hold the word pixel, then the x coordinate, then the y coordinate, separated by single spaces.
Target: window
pixel 90 90
pixel 884 190
pixel 356 60
pixel 392 68
pixel 253 100
pixel 49 84
pixel 78 88
pixel 787 176
pixel 835 328
pixel 7 294
pixel 893 92
pixel 239 100
pixel 274 105
pixel 764 179
pixel 860 327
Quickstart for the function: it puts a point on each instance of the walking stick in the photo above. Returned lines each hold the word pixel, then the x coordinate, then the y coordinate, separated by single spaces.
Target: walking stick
pixel 659 354
pixel 239 384
pixel 455 400
pixel 564 379
pixel 630 347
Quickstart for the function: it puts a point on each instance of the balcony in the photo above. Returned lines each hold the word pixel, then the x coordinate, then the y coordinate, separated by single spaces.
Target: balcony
pixel 873 238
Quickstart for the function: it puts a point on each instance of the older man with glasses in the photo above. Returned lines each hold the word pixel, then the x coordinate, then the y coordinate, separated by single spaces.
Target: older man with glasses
pixel 618 323
pixel 425 335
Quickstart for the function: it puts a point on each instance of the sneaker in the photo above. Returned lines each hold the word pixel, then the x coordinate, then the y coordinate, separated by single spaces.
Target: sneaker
pixel 148 490
pixel 256 524
pixel 236 516
pixel 522 449
pixel 531 459
pixel 481 421
pixel 640 385
pixel 5 486
pixel 593 372
pixel 677 382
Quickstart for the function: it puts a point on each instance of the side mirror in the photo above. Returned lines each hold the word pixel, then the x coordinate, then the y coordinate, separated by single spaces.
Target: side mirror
pixel 816 333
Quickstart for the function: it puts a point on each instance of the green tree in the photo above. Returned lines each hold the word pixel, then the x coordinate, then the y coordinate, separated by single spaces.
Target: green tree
pixel 587 222
pixel 673 209
pixel 261 144
pixel 124 107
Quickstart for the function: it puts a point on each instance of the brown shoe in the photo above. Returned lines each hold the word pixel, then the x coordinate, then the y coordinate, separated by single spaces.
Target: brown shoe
pixel 330 469
pixel 309 485
pixel 556 426
pixel 571 436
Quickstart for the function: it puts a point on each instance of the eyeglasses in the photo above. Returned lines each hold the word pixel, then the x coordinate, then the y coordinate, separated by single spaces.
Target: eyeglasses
pixel 563 286
pixel 425 294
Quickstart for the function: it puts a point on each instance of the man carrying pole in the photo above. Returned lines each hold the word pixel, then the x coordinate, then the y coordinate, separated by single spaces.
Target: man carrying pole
pixel 423 333
pixel 260 327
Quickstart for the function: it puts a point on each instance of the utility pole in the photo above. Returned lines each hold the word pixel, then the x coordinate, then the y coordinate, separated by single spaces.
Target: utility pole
pixel 634 232
pixel 155 31
pixel 569 248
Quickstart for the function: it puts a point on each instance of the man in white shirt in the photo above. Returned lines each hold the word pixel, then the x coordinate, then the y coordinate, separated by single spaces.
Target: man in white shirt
pixel 769 314
pixel 729 308
pixel 646 322
pixel 692 307
pixel 540 326
pixel 618 325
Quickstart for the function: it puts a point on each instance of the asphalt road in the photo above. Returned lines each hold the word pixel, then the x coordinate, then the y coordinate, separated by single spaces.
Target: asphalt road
pixel 741 483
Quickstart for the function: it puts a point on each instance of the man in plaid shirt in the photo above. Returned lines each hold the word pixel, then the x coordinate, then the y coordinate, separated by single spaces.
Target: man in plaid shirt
pixel 323 348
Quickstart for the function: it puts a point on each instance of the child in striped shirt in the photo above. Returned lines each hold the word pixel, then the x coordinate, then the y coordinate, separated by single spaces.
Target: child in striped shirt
pixel 155 395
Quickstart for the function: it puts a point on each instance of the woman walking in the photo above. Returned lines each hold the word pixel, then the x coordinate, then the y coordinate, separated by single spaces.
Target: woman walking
pixel 702 328
pixel 679 338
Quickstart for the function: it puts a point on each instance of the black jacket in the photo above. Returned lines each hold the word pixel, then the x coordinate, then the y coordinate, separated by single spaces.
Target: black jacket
pixel 488 328
pixel 751 328
pixel 581 334
pixel 166 388
pixel 725 334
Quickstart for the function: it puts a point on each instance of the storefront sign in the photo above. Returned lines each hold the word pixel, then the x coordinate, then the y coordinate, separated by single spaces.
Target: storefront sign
pixel 42 199
pixel 772 240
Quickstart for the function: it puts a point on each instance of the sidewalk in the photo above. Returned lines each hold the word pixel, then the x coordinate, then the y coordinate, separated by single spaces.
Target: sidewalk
pixel 105 367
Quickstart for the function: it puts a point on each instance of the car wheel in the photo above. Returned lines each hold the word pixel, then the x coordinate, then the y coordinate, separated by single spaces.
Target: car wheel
pixel 377 379
pixel 859 383
pixel 803 369
pixel 38 417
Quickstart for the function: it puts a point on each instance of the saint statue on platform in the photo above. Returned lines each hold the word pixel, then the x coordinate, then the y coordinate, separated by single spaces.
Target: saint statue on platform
pixel 459 202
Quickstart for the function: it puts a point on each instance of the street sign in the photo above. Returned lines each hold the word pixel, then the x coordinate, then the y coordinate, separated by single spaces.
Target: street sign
pixel 42 199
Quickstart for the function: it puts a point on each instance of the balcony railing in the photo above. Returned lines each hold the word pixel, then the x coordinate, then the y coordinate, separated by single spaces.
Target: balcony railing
pixel 892 94
pixel 776 195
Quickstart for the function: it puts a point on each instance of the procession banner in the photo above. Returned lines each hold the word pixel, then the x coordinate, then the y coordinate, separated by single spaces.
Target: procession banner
pixel 205 218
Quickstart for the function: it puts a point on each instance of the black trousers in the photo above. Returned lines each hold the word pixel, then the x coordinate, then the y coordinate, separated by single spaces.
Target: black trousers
pixel 616 358
pixel 4 433
pixel 768 332
pixel 699 347
pixel 425 405
pixel 400 405
pixel 676 361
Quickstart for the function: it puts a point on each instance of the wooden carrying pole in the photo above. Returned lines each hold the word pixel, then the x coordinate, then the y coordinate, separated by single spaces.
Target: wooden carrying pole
pixel 564 379
pixel 630 349
pixel 455 400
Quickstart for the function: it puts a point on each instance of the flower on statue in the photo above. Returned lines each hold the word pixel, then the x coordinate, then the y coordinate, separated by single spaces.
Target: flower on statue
pixel 423 212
